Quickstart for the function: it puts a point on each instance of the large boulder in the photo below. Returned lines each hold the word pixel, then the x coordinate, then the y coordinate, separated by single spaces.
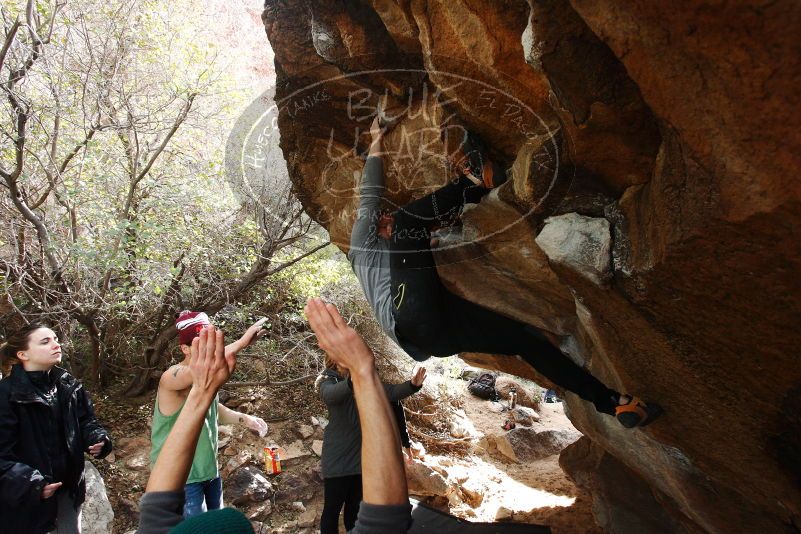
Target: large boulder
pixel 525 444
pixel 662 141
pixel 97 514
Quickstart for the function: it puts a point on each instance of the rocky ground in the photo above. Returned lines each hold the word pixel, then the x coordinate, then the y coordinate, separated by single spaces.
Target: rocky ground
pixel 475 469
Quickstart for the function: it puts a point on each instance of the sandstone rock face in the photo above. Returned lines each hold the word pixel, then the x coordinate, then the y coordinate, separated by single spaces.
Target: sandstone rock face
pixel 581 244
pixel 663 141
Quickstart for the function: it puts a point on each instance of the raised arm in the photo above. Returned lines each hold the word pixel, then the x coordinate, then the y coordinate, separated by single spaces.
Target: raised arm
pixel 256 331
pixel 371 192
pixel 383 478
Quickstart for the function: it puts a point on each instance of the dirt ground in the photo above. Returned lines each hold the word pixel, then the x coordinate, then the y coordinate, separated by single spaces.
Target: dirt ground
pixel 536 492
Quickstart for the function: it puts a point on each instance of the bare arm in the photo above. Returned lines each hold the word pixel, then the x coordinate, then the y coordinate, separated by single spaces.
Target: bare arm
pixel 227 416
pixel 383 477
pixel 256 331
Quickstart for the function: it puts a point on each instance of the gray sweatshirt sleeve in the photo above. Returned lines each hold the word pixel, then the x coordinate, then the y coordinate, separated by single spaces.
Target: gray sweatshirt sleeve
pixel 371 192
pixel 396 392
pixel 383 519
pixel 335 392
pixel 159 511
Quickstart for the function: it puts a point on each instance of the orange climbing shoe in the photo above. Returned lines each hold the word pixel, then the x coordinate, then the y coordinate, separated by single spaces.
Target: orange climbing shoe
pixel 636 412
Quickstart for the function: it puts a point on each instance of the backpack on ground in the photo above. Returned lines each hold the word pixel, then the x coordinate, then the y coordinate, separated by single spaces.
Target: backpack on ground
pixel 483 386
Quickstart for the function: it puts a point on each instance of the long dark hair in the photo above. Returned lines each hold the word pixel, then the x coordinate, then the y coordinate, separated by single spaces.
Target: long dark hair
pixel 14 343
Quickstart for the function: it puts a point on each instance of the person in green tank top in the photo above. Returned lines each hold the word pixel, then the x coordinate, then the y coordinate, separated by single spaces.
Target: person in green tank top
pixel 203 490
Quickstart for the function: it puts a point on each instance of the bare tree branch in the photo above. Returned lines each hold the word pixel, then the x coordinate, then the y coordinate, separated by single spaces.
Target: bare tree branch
pixel 12 32
pixel 270 383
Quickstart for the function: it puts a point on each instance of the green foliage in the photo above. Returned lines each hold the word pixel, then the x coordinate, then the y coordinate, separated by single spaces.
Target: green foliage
pixel 124 75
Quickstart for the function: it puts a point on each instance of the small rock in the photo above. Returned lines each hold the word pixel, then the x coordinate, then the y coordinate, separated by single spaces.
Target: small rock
pixel 260 511
pixel 424 480
pixel 317 447
pixel 473 492
pixel 292 453
pixel 503 514
pixel 139 461
pixel 525 416
pixel 242 458
pixel 305 431
pixel 111 458
pixel 226 433
pixel 307 518
pixel 470 372
pixel 322 422
pixel 457 431
pixel 298 506
pixel 496 407
pixel 248 484
pixel 295 487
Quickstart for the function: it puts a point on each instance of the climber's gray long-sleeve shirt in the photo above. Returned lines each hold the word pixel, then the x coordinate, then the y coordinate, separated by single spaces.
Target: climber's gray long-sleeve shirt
pixel 369 254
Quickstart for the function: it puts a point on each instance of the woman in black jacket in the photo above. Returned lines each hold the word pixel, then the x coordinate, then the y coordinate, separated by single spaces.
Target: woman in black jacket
pixel 341 459
pixel 47 423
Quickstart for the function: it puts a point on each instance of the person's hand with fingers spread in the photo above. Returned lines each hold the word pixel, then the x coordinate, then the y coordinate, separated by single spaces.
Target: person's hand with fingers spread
pixel 255 332
pixel 339 340
pixel 418 376
pixel 252 334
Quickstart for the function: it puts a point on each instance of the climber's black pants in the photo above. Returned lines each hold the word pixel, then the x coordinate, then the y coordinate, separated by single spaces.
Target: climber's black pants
pixel 436 322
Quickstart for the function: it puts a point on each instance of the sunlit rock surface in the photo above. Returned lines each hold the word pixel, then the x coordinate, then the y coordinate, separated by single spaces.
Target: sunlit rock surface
pixel 674 126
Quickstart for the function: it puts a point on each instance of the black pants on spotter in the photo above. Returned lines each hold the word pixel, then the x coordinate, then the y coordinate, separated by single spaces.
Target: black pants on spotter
pixel 439 323
pixel 338 492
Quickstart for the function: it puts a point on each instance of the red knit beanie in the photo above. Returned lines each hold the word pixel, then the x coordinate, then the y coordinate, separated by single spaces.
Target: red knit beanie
pixel 189 325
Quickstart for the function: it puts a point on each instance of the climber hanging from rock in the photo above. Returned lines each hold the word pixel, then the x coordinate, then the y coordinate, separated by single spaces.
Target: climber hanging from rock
pixel 391 256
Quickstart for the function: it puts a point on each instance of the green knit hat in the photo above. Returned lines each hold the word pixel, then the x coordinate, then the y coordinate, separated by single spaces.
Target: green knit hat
pixel 223 521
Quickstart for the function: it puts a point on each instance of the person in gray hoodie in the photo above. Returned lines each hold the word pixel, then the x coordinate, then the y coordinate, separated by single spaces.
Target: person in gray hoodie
pixel 341 458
